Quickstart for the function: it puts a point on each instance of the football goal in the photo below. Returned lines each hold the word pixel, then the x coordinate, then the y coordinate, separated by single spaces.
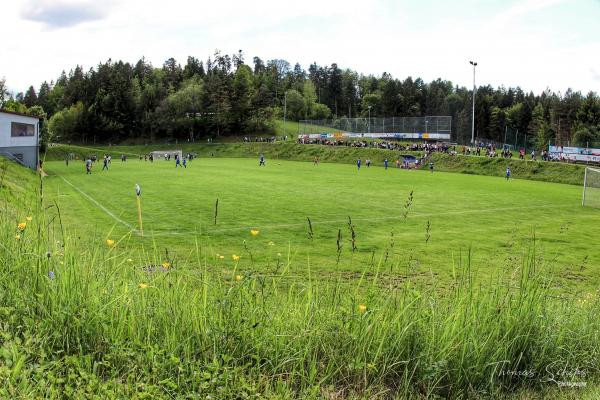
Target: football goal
pixel 164 154
pixel 591 187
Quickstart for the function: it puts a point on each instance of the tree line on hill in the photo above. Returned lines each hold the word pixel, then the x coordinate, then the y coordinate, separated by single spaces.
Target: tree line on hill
pixel 119 101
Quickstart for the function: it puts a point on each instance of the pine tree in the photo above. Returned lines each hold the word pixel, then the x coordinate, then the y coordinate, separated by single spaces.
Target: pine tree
pixel 3 92
pixel 537 120
pixel 44 98
pixel 30 99
pixel 335 87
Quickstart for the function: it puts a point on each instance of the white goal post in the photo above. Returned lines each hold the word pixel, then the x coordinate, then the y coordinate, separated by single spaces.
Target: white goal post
pixel 591 187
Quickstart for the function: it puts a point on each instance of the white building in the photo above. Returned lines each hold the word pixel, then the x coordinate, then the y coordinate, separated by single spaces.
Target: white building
pixel 19 137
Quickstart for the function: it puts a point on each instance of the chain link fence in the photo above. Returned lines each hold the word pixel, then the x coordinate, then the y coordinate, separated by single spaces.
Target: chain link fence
pixel 400 125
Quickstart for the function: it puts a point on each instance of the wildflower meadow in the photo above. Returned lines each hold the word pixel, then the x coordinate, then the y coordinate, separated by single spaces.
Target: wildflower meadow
pixel 97 310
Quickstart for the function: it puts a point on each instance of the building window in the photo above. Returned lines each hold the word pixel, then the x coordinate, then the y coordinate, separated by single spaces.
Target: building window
pixel 19 129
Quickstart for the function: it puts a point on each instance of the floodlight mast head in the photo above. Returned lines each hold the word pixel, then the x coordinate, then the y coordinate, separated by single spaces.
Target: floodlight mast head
pixel 474 64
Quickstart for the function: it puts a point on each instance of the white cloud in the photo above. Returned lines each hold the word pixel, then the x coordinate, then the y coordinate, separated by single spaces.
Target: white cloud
pixel 370 36
pixel 63 13
pixel 522 8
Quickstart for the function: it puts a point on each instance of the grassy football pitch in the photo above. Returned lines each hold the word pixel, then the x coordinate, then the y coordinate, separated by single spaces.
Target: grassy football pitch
pixel 500 223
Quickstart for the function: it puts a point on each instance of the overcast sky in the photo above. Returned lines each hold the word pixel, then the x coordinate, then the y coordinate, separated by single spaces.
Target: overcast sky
pixel 534 44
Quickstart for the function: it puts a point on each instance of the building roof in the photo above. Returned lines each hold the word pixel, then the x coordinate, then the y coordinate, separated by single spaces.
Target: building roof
pixel 16 113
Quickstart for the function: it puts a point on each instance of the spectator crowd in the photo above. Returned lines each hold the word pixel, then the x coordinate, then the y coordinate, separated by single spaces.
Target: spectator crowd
pixel 480 149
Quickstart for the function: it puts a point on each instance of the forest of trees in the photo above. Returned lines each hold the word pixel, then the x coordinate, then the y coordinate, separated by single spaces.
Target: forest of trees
pixel 225 95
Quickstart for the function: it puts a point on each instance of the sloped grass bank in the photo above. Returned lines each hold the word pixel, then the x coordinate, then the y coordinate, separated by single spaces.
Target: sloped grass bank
pixel 111 321
pixel 571 174
pixel 15 182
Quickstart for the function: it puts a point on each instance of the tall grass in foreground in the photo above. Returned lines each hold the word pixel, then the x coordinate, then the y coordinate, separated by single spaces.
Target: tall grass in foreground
pixel 99 319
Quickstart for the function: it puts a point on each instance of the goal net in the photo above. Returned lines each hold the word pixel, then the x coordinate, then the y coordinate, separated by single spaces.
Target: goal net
pixel 591 188
pixel 165 154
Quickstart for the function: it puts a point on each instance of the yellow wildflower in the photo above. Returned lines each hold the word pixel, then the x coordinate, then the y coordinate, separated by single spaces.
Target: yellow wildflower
pixel 18 237
pixel 254 232
pixel 22 226
pixel 239 277
pixel 29 218
pixel 235 258
pixel 142 286
pixel 221 257
pixel 362 308
pixel 110 242
pixel 166 265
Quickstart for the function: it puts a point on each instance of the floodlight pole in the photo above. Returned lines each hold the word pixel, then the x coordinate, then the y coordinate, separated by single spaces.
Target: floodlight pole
pixel 474 64
pixel 284 110
pixel 369 124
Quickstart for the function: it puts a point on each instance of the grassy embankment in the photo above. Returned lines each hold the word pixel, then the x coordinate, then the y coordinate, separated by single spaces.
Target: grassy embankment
pixel 544 171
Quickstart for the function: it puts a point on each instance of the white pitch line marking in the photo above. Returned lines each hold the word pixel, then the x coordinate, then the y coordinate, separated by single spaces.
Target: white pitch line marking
pixel 100 206
pixel 329 222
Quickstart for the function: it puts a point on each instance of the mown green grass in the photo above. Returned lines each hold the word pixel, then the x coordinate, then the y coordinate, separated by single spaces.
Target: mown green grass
pixel 82 318
pixel 289 128
pixel 294 128
pixel 449 216
pixel 523 169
